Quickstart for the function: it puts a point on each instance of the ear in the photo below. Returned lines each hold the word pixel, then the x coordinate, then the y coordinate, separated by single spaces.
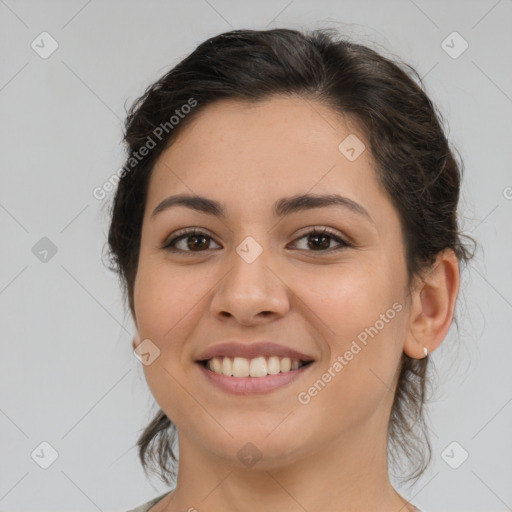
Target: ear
pixel 136 336
pixel 136 340
pixel 433 298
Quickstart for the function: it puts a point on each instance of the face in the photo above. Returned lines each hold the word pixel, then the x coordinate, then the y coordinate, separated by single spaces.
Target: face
pixel 258 273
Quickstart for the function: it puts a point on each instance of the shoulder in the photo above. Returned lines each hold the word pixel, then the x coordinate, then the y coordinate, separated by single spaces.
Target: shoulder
pixel 146 506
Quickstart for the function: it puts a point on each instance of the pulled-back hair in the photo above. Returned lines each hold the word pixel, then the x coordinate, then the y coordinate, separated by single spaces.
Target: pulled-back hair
pixel 386 100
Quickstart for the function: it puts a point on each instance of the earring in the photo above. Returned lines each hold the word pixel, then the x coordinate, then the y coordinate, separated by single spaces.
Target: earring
pixel 425 350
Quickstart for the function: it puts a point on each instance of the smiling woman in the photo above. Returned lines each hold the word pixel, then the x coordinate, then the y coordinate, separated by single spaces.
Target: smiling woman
pixel 291 248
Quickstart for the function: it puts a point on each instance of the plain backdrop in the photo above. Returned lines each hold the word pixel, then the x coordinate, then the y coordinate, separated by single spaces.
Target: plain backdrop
pixel 72 394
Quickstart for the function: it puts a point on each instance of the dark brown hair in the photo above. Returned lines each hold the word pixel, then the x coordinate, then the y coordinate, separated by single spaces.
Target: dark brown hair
pixel 385 97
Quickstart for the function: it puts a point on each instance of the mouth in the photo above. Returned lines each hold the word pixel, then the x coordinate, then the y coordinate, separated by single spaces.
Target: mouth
pixel 240 376
pixel 258 367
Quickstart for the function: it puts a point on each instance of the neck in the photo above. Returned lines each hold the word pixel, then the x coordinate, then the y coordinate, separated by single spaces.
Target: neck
pixel 338 476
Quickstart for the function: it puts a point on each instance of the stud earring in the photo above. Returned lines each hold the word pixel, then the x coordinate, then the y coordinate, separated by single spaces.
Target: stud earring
pixel 425 350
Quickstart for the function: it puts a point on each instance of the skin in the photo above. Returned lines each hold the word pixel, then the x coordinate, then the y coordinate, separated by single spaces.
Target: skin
pixel 328 455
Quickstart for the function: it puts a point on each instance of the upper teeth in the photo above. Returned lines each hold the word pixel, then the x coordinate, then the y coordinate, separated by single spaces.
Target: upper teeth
pixel 257 367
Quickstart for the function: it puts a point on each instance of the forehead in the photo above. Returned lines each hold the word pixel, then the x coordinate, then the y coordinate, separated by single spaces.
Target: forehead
pixel 290 126
pixel 256 152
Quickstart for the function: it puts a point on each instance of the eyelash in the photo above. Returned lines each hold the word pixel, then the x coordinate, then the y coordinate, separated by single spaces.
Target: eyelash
pixel 168 245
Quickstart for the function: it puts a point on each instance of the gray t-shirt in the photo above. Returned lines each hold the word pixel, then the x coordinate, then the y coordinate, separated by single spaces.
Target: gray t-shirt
pixel 146 506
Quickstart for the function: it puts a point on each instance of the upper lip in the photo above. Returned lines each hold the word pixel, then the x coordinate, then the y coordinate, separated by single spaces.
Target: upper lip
pixel 251 350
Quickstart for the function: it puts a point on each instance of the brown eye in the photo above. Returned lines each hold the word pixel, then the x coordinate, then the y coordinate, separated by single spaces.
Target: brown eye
pixel 195 241
pixel 320 241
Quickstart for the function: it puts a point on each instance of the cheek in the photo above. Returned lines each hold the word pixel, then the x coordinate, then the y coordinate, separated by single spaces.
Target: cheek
pixel 167 302
pixel 165 297
pixel 362 317
pixel 352 298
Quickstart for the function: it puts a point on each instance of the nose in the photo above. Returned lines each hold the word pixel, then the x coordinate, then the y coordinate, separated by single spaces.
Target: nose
pixel 251 292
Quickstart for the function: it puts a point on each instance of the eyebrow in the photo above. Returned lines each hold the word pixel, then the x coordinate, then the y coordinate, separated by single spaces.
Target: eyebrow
pixel 282 207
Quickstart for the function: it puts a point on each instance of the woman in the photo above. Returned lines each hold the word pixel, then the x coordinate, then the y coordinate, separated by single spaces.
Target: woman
pixel 285 228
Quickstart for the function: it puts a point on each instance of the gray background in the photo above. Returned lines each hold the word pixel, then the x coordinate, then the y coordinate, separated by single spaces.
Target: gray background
pixel 68 375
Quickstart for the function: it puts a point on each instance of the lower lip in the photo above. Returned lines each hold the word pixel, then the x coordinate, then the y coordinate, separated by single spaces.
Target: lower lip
pixel 253 385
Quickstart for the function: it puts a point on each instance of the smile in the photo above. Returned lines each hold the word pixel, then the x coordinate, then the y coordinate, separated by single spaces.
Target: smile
pixel 256 367
pixel 243 376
